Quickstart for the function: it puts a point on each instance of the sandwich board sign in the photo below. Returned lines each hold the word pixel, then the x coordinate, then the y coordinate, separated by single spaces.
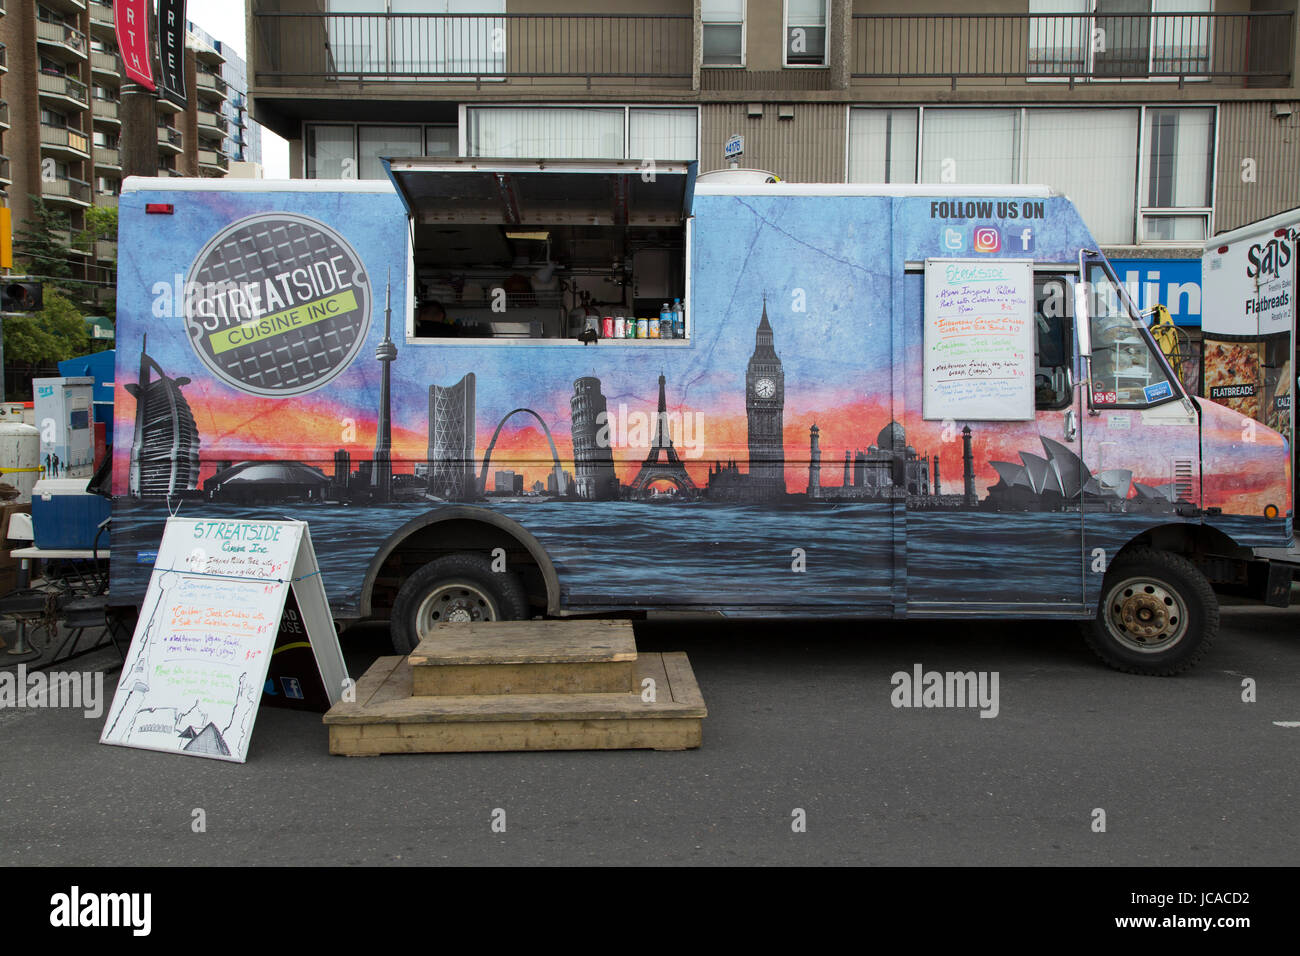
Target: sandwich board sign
pixel 212 618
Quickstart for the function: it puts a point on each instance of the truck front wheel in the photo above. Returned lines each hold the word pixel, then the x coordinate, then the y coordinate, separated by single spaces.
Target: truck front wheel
pixel 457 588
pixel 1157 614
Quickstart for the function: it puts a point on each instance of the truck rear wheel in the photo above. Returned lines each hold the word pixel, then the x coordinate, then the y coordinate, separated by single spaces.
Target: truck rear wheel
pixel 457 588
pixel 1157 614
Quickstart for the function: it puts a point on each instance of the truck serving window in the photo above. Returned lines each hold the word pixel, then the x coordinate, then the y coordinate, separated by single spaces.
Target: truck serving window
pixel 1128 370
pixel 551 250
pixel 1054 353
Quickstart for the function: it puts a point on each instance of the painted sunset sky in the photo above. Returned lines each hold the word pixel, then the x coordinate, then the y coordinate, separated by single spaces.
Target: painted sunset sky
pixel 827 268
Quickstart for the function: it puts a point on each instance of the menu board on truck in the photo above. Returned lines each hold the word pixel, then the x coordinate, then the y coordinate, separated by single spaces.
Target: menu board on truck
pixel 979 339
pixel 200 655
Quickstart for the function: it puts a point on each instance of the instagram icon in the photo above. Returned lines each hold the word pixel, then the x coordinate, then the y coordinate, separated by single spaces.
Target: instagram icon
pixel 987 239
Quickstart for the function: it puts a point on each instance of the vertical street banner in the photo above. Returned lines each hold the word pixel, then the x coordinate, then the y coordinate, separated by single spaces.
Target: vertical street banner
pixel 171 50
pixel 131 21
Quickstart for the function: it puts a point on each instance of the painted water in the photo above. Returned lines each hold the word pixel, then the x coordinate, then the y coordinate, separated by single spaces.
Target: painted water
pixel 827 557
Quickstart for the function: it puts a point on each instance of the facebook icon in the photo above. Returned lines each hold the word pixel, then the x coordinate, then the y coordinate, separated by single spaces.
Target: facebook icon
pixel 1021 243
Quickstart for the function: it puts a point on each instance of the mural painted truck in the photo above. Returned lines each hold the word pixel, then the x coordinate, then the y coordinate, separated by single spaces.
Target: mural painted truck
pixel 906 402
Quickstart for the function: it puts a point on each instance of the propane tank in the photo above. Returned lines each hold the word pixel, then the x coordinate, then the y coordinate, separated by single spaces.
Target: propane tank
pixel 20 454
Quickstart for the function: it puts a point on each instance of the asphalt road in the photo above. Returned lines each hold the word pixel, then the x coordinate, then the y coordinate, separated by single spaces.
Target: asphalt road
pixel 800 717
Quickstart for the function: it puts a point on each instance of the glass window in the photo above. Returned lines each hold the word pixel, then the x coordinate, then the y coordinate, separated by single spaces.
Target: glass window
pixel 1179 161
pixel 724 32
pixel 386 141
pixel 1127 368
pixel 882 146
pixel 805 32
pixel 662 134
pixel 554 133
pixel 331 152
pixel 971 146
pixel 1102 179
pixel 441 141
pixel 1058 41
pixel 1054 342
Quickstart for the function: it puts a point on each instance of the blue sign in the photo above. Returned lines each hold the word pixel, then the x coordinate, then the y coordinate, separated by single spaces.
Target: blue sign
pixel 735 146
pixel 1157 391
pixel 1173 283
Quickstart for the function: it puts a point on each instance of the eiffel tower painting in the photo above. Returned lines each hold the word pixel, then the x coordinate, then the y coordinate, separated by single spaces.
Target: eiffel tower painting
pixel 662 464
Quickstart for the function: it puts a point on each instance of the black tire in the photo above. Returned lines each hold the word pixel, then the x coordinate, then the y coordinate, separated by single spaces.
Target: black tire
pixel 1157 614
pixel 455 587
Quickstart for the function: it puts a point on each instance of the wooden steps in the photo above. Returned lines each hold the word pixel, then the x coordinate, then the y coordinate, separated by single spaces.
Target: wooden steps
pixel 526 685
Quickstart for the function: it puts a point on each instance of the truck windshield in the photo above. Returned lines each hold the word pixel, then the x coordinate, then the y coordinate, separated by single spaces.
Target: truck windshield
pixel 1127 368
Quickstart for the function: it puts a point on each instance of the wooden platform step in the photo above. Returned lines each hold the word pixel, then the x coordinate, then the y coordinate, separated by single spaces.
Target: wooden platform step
pixel 386 718
pixel 525 657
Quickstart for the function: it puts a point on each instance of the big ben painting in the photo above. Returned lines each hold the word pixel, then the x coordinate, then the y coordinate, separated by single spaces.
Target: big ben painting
pixel 765 408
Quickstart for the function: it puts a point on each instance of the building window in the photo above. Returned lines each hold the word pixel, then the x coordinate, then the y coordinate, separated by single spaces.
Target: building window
pixel 582 132
pixel 331 152
pixel 723 23
pixel 1178 170
pixel 1102 179
pixel 554 133
pixel 348 151
pixel 882 146
pixel 667 133
pixel 971 146
pixel 386 141
pixel 1145 176
pixel 805 32
pixel 1119 39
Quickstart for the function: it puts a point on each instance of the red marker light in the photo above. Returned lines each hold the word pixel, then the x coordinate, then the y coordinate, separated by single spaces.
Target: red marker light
pixel 159 208
pixel 1222 249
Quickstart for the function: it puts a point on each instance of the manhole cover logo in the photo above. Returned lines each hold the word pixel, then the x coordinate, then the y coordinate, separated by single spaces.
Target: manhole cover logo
pixel 277 304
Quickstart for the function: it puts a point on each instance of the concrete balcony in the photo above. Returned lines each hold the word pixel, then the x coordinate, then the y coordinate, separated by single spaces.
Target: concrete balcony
pixel 108 112
pixel 71 143
pixel 101 18
pixel 4 114
pixel 214 124
pixel 105 249
pixel 170 140
pixel 1238 48
pixel 210 86
pixel 164 105
pixel 77 243
pixel 108 157
pixel 4 171
pixel 213 163
pixel 108 201
pixel 63 89
pixel 105 63
pixel 60 38
pixel 4 59
pixel 73 192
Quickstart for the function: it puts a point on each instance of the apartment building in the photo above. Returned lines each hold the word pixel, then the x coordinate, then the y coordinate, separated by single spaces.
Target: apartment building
pixel 60 123
pixel 242 140
pixel 1165 120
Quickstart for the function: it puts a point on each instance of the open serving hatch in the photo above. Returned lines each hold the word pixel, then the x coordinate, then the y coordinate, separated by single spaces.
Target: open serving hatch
pixel 522 248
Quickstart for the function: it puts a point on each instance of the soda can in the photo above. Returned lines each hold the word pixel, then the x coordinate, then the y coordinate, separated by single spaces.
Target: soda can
pixel 652 328
pixel 607 327
pixel 641 330
pixel 620 327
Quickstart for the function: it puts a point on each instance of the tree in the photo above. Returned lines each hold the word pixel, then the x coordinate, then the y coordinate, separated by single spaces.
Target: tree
pixel 44 243
pixel 35 342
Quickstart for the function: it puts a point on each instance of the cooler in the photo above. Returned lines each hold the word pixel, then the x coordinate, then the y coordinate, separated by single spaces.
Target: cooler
pixel 66 516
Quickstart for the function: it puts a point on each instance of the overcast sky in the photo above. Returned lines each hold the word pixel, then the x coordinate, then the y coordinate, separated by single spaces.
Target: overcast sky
pixel 224 20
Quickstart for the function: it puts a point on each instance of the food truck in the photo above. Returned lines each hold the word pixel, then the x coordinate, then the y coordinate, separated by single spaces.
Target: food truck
pixel 1249 349
pixel 499 389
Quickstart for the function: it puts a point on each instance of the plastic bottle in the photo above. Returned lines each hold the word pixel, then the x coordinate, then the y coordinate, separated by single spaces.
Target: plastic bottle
pixel 679 319
pixel 665 322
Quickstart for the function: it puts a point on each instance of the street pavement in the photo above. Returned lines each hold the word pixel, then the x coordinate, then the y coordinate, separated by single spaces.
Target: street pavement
pixel 800 718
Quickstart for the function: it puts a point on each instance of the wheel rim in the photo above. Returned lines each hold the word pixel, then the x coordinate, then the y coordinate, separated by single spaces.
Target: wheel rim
pixel 1145 615
pixel 455 602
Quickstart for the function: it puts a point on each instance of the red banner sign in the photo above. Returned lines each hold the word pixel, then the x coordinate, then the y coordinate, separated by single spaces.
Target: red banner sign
pixel 131 18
